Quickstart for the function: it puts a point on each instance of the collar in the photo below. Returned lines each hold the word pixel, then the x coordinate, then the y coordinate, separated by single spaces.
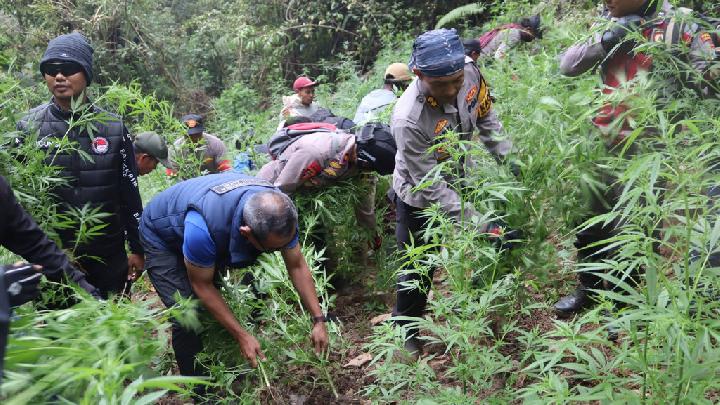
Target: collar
pixel 430 100
pixel 66 115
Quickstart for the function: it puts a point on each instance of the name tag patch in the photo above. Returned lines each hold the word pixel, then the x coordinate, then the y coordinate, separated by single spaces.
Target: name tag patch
pixel 232 185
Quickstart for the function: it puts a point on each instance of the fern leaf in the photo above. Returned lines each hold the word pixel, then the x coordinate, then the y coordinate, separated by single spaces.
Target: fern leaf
pixel 460 12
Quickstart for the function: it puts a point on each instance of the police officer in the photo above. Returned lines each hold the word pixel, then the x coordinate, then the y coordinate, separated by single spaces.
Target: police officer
pixel 199 146
pixel 619 65
pixel 108 180
pixel 150 149
pixel 318 155
pixel 448 93
pixel 200 226
pixel 498 41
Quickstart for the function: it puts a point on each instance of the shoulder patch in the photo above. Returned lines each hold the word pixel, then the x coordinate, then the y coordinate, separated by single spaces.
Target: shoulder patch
pixel 235 184
pixel 471 94
pixel 705 37
pixel 311 171
pixel 484 101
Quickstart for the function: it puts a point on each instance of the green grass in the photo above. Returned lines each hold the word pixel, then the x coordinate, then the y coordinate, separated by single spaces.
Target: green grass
pixel 491 314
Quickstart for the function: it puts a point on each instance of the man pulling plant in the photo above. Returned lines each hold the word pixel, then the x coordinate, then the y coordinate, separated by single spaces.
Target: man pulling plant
pixel 200 226
pixel 100 168
pixel 498 41
pixel 198 147
pixel 309 155
pixel 448 94
pixel 622 66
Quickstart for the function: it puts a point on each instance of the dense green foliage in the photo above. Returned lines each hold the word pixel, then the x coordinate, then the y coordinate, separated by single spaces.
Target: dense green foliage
pixel 495 339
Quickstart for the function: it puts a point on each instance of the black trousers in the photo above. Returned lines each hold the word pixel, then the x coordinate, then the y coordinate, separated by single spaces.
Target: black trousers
pixel 601 204
pixel 168 275
pixel 410 301
pixel 108 274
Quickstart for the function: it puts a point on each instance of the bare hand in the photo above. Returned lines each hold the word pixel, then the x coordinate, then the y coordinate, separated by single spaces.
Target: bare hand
pixel 136 264
pixel 250 348
pixel 319 338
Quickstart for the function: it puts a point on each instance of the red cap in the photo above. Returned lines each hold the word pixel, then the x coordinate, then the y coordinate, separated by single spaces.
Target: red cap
pixel 302 82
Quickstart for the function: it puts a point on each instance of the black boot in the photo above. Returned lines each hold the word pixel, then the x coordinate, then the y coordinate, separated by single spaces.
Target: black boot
pixel 580 299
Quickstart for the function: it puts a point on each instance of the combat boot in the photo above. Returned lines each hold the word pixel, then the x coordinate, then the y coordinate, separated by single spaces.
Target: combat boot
pixel 580 299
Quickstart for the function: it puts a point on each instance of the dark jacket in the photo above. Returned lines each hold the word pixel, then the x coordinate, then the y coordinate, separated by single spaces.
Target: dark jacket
pixel 21 235
pixel 108 180
pixel 220 199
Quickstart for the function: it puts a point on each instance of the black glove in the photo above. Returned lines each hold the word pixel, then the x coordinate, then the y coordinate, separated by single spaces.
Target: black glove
pixel 21 282
pixel 502 236
pixel 619 30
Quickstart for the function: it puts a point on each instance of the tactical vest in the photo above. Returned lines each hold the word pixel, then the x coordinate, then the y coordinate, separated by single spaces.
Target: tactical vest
pixel 220 199
pixel 95 181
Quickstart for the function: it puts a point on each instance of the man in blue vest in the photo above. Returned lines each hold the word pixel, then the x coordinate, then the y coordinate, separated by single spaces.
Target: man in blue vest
pixel 211 222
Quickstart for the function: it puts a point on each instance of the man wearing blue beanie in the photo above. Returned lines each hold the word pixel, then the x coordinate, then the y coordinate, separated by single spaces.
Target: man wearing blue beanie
pixel 107 181
pixel 448 94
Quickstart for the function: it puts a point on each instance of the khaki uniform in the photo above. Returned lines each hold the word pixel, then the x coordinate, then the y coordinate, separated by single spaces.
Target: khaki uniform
pixel 619 70
pixel 499 46
pixel 314 160
pixel 417 123
pixel 318 160
pixel 211 151
pixel 621 67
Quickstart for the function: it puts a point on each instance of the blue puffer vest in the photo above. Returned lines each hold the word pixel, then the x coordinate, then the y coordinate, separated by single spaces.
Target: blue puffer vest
pixel 220 199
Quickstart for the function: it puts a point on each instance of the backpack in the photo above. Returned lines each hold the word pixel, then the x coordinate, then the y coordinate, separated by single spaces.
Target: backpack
pixel 278 143
pixel 372 130
pixel 327 116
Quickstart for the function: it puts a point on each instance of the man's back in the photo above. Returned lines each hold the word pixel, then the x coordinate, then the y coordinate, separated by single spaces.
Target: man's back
pixel 315 159
pixel 373 104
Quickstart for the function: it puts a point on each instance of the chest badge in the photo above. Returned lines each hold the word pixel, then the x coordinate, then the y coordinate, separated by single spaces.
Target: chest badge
pixel 100 145
pixel 440 126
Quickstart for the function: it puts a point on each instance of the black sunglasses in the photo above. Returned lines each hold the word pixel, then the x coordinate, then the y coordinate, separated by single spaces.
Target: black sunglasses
pixel 66 68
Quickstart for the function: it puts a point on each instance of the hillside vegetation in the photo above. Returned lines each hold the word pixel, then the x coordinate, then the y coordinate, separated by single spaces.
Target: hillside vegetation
pixel 492 336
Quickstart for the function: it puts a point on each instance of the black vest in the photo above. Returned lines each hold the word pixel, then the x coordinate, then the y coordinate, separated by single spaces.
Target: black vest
pixel 95 181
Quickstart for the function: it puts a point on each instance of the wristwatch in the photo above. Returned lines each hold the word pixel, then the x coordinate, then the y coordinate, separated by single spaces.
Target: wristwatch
pixel 318 319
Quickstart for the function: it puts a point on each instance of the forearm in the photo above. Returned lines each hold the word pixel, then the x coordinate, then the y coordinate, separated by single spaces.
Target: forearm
pixel 216 305
pixel 305 286
pixel 581 57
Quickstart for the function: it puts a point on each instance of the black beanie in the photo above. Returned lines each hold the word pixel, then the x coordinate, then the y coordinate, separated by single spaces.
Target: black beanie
pixel 70 48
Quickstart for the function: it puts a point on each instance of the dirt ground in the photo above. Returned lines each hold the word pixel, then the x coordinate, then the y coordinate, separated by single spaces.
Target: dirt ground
pixel 355 306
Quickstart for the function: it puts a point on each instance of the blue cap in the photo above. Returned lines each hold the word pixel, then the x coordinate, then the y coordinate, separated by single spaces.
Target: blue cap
pixel 438 53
